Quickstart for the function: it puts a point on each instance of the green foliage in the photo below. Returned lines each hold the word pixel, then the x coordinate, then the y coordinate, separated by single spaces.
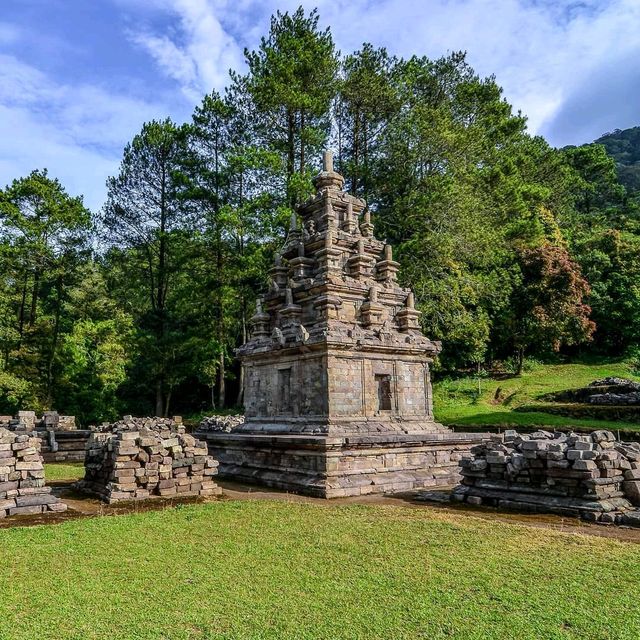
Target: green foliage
pixel 43 235
pixel 611 262
pixel 624 147
pixel 547 310
pixel 291 83
pixel 514 249
pixel 502 393
pixel 366 101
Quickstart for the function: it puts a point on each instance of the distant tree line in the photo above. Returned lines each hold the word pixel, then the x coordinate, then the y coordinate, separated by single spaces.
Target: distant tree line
pixel 513 248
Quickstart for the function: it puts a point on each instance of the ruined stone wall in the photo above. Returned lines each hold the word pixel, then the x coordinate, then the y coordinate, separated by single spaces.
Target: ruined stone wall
pixel 137 458
pixel 60 439
pixel 592 476
pixel 354 386
pixel 22 481
pixel 27 421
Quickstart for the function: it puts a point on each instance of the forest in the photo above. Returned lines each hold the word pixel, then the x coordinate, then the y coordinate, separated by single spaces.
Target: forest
pixel 515 249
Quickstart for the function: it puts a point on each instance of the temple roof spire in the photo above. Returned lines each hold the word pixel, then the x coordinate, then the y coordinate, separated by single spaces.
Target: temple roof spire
pixel 327 160
pixel 328 177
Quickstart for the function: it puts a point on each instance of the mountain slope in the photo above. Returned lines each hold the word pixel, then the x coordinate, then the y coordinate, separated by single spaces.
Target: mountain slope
pixel 624 146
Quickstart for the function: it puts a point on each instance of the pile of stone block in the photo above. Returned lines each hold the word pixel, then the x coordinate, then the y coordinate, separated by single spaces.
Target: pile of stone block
pixel 137 458
pixel 22 483
pixel 28 421
pixel 221 423
pixel 591 476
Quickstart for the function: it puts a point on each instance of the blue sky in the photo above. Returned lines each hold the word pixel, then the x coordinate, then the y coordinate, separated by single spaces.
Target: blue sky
pixel 79 77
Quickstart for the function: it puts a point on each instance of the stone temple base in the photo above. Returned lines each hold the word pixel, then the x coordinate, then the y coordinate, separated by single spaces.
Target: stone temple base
pixel 338 466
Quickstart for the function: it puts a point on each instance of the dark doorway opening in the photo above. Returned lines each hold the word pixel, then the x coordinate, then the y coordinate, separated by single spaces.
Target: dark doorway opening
pixel 284 385
pixel 383 383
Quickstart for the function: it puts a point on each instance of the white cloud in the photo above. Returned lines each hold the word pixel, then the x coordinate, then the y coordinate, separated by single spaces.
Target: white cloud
pixel 570 66
pixel 76 131
pixel 542 52
pixel 200 55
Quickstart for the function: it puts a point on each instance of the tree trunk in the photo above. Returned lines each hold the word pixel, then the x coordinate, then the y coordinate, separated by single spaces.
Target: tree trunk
pixel 302 141
pixel 54 342
pixel 356 153
pixel 290 153
pixel 34 297
pixel 221 383
pixel 167 404
pixel 520 362
pixel 240 397
pixel 159 399
pixel 21 313
pixel 220 321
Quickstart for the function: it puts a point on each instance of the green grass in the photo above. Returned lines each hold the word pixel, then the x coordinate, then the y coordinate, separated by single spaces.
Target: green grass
pixel 63 471
pixel 457 401
pixel 271 569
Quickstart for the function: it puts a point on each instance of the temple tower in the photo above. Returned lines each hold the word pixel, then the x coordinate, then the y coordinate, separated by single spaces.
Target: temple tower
pixel 337 381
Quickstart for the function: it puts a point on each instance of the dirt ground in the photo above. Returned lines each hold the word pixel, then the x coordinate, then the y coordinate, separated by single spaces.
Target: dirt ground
pixel 82 506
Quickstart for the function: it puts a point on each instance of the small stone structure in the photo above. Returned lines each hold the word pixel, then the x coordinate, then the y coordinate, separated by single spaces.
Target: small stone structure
pixel 591 476
pixel 337 384
pixel 28 421
pixel 616 391
pixel 60 439
pixel 606 391
pixel 137 458
pixel 612 399
pixel 22 482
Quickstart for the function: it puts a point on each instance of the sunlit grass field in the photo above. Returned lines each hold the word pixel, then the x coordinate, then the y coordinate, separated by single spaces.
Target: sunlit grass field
pixel 63 471
pixel 272 569
pixel 471 400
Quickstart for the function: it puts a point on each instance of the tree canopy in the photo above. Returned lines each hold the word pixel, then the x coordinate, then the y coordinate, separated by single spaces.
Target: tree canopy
pixel 513 248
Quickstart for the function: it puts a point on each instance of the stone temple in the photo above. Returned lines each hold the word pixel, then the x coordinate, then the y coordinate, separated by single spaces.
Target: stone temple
pixel 337 384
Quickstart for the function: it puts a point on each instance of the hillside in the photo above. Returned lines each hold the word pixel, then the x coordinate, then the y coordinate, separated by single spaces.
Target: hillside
pixel 498 401
pixel 624 146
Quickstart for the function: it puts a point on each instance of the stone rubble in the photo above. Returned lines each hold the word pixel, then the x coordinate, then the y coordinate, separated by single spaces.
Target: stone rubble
pixel 137 458
pixel 221 423
pixel 28 421
pixel 613 381
pixel 631 398
pixel 22 482
pixel 592 476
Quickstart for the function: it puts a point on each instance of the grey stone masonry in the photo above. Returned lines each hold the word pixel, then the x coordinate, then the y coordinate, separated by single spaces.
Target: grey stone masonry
pixel 336 366
pixel 571 474
pixel 137 458
pixel 22 482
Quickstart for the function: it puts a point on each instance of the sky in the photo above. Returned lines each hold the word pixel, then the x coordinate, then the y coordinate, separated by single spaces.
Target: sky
pixel 79 77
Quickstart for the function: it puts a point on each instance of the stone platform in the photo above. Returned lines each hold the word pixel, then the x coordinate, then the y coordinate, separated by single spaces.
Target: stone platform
pixel 339 466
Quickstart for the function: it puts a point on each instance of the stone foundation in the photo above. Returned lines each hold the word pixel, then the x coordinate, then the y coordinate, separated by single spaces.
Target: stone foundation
pixel 22 483
pixel 333 467
pixel 138 458
pixel 588 476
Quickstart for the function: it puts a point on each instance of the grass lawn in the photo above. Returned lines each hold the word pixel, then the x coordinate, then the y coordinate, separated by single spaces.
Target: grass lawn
pixel 61 471
pixel 270 569
pixel 458 402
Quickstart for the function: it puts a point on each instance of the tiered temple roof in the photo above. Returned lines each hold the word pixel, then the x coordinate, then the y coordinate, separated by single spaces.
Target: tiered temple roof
pixel 334 283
